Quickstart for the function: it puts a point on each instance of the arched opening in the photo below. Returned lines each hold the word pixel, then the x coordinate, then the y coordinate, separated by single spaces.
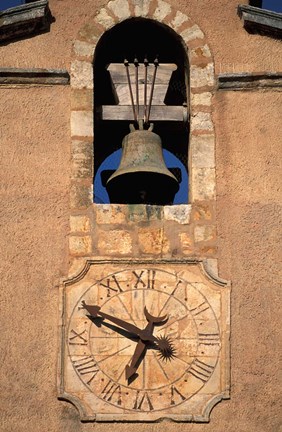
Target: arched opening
pixel 139 38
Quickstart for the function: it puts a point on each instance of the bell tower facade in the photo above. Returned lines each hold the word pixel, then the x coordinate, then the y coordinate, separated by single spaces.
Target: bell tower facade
pixel 145 322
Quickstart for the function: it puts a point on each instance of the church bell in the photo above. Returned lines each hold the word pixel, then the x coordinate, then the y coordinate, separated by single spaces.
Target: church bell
pixel 142 176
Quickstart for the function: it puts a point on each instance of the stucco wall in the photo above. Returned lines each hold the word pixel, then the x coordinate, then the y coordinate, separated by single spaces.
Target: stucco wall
pixel 236 52
pixel 34 218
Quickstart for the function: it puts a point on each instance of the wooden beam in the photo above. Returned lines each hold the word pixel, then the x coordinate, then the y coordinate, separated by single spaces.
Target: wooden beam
pixel 158 113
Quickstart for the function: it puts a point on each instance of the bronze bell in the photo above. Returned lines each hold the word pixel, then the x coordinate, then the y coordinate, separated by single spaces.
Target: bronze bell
pixel 142 176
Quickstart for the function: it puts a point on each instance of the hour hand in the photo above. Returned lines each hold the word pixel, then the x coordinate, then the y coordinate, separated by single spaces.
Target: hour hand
pixel 94 310
pixel 131 369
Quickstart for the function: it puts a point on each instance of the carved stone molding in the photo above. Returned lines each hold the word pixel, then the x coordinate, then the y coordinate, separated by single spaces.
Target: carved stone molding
pixel 24 21
pixel 16 76
pixel 192 306
pixel 250 81
pixel 261 21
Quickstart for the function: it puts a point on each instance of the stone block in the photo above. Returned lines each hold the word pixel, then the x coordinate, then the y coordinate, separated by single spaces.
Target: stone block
pixel 81 75
pixel 89 32
pixel 201 99
pixel 179 20
pixel 153 241
pixel 81 196
pixel 201 52
pixel 114 242
pixel 81 167
pixel 201 76
pixel 178 213
pixel 191 33
pixel 211 265
pixel 82 99
pixel 141 7
pixel 120 8
pixel 79 224
pixel 186 242
pixel 82 123
pixel 202 212
pixel 201 121
pixel 110 213
pixel 204 233
pixel 203 184
pixel 202 149
pixel 207 251
pixel 162 10
pixel 144 213
pixel 80 245
pixel 84 49
pixel 104 19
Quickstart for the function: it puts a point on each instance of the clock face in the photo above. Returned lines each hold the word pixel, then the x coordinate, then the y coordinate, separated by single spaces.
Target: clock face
pixel 138 370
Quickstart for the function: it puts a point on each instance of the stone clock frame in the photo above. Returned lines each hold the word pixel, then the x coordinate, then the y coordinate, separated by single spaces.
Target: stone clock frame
pixel 93 354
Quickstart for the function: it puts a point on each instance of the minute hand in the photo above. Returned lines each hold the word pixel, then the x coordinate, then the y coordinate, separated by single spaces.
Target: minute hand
pixel 95 311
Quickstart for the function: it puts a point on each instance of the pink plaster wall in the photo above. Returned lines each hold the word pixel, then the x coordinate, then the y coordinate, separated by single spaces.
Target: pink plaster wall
pixel 233 48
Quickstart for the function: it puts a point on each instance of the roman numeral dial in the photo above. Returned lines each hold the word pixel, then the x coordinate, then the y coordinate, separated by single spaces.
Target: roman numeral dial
pixel 143 339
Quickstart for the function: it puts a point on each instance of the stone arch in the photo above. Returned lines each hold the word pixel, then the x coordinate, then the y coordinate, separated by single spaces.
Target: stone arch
pixel 201 86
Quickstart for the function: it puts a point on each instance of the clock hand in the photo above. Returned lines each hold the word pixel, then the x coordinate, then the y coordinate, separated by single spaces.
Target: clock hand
pixel 147 335
pixel 95 312
pixel 131 369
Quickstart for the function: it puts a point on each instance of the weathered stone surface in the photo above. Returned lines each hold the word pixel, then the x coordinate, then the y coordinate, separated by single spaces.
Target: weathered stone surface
pixel 82 99
pixel 202 212
pixel 84 49
pixel 80 245
pixel 203 181
pixel 261 21
pixel 191 33
pixel 179 20
pixel 114 242
pixel 202 148
pixel 25 20
pixel 153 241
pixel 82 123
pixel 90 33
pixel 82 165
pixel 110 214
pixel 120 8
pixel 201 99
pixel 204 233
pixel 162 10
pixel 79 224
pixel 141 7
pixel 144 213
pixel 211 264
pixel 104 19
pixel 201 121
pixel 178 213
pixel 201 52
pixel 187 243
pixel 202 76
pixel 81 75
pixel 81 195
pixel 198 328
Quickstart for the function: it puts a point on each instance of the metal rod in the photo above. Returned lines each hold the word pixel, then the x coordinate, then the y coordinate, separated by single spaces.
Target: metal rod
pixel 136 64
pixel 156 63
pixel 126 64
pixel 146 63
